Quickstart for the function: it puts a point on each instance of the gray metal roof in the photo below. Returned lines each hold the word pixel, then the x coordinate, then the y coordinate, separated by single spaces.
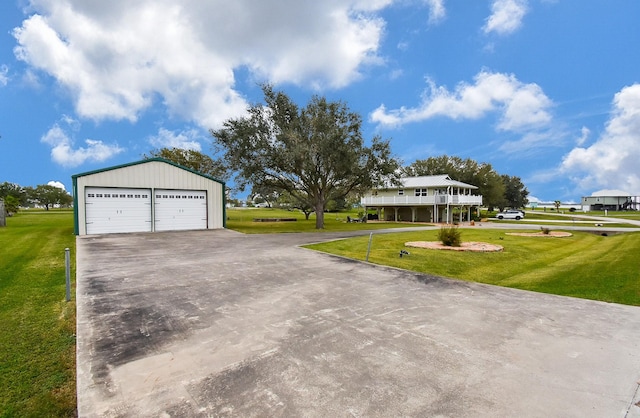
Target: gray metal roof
pixel 442 180
pixel 145 161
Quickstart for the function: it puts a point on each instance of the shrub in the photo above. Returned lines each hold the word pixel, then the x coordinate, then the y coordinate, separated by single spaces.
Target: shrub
pixel 450 236
pixel 544 230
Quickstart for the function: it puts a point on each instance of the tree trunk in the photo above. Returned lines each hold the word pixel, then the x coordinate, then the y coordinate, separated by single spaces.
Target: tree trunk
pixel 320 214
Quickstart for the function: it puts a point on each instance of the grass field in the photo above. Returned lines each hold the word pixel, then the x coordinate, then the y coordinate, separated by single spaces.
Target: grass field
pixel 589 266
pixel 242 220
pixel 37 326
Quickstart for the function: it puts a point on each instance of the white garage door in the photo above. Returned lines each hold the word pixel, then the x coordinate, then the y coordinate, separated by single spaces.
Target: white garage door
pixel 180 209
pixel 111 210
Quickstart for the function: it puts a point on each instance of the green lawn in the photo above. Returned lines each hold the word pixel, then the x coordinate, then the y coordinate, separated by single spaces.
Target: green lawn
pixel 242 220
pixel 589 266
pixel 37 331
pixel 635 215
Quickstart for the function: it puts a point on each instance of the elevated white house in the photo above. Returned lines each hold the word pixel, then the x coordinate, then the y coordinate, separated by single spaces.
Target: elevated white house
pixel 425 199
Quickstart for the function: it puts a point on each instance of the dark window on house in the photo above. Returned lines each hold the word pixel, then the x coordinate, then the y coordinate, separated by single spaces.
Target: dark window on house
pixel 421 192
pixel 400 192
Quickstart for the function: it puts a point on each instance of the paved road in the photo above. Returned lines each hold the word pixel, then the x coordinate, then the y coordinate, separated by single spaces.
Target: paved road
pixel 216 323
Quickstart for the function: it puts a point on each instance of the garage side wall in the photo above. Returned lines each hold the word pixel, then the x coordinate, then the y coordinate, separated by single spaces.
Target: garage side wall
pixel 152 175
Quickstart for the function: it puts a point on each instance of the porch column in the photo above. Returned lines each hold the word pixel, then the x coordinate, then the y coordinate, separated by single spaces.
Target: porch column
pixel 395 218
pixel 413 214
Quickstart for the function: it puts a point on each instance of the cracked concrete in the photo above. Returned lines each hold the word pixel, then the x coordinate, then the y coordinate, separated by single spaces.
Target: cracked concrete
pixel 216 323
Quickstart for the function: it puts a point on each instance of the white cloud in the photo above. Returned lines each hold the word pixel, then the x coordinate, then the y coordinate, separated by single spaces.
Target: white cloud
pixel 4 75
pixel 169 139
pixel 584 135
pixel 532 143
pixel 31 79
pixel 64 153
pixel 116 58
pixel 506 16
pixel 612 161
pixel 610 192
pixel 437 10
pixel 521 106
pixel 56 184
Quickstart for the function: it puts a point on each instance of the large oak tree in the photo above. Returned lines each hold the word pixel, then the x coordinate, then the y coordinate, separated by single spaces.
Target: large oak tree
pixel 314 154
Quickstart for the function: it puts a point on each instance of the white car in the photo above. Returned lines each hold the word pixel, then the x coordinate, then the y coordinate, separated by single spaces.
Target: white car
pixel 511 214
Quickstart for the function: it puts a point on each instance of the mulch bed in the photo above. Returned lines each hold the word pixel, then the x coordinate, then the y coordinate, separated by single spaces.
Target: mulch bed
pixel 483 247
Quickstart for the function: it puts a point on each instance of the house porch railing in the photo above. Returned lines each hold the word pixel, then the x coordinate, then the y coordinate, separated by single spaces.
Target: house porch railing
pixel 467 200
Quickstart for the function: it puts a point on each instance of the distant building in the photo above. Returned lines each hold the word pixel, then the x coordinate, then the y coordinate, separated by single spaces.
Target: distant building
pixel 424 199
pixel 570 206
pixel 613 200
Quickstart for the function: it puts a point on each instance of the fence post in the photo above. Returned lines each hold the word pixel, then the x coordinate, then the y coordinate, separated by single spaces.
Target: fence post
pixel 369 247
pixel 3 221
pixel 67 263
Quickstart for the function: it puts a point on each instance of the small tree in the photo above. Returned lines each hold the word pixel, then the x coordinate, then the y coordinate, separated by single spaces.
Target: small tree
pixel 450 236
pixel 11 205
pixel 515 193
pixel 557 204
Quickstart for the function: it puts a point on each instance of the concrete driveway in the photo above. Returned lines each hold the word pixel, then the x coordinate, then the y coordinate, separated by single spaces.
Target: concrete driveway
pixel 216 323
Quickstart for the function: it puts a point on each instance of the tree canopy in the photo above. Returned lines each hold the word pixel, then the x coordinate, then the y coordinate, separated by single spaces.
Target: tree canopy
pixel 11 205
pixel 14 190
pixel 314 154
pixel 192 159
pixel 47 196
pixel 516 194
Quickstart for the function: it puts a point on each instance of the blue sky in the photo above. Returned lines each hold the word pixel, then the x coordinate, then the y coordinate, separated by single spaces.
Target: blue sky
pixel 547 90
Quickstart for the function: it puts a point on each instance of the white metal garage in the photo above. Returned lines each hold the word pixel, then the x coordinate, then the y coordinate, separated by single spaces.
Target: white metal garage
pixel 146 196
